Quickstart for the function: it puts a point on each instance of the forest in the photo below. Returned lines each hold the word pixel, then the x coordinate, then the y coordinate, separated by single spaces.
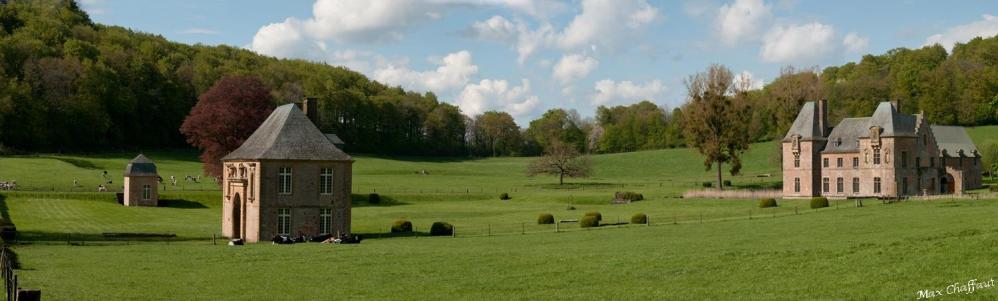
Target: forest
pixel 69 85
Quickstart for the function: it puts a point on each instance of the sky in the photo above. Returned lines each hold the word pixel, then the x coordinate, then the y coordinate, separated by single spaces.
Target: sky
pixel 525 57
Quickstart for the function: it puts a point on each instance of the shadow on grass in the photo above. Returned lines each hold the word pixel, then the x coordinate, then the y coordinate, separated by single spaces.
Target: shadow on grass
pixel 84 238
pixel 4 213
pixel 578 185
pixel 759 186
pixel 392 235
pixel 181 204
pixel 361 200
pixel 424 159
pixel 85 164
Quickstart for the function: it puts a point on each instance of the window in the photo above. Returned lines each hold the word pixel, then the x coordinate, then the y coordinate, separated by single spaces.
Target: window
pixel 925 139
pixel 876 157
pixel 918 162
pixel 904 159
pixel 284 180
pixel 796 160
pixel 796 184
pixel 326 181
pixel 824 162
pixel 838 162
pixel 325 220
pixel 839 185
pixel 284 221
pixel 876 185
pixel 932 161
pixel 904 185
pixel 855 162
pixel 146 192
pixel 824 184
pixel 855 185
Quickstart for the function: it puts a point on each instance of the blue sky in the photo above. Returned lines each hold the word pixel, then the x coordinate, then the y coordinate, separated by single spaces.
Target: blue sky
pixel 525 57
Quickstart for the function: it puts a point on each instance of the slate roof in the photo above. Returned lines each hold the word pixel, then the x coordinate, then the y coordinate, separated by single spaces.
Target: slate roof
pixel 953 139
pixel 892 122
pixel 845 136
pixel 140 166
pixel 806 124
pixel 288 134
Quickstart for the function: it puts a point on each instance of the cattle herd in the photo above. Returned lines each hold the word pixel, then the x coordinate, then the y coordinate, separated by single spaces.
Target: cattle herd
pixel 12 185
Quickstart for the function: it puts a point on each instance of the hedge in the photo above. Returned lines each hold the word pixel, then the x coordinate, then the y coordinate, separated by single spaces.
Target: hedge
pixel 767 203
pixel 639 218
pixel 545 219
pixel 402 226
pixel 819 202
pixel 441 229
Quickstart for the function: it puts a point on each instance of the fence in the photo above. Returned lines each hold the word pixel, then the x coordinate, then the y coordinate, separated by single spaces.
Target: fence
pixel 8 261
pixel 733 194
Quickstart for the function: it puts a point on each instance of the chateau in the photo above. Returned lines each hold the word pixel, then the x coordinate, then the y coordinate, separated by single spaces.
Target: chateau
pixel 287 178
pixel 889 154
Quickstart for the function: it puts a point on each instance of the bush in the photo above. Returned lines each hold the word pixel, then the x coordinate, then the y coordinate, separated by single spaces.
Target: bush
pixel 374 198
pixel 545 219
pixel 767 203
pixel 727 183
pixel 504 196
pixel 441 229
pixel 589 221
pixel 599 217
pixel 632 196
pixel 639 218
pixel 993 188
pixel 819 202
pixel 708 184
pixel 402 226
pixel 570 207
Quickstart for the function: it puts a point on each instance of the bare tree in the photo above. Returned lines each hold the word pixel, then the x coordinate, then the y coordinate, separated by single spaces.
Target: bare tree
pixel 562 160
pixel 714 119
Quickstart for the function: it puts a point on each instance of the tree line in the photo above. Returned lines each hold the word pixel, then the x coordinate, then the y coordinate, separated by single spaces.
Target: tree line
pixel 68 84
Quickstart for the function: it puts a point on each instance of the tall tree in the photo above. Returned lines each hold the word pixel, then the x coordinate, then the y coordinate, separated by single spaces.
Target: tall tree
pixel 224 117
pixel 714 121
pixel 561 160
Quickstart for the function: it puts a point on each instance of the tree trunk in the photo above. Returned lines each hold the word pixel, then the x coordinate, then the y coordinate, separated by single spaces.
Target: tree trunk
pixel 561 179
pixel 720 184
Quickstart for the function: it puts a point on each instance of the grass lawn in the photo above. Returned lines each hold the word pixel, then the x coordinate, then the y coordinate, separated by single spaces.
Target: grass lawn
pixel 876 252
pixel 884 252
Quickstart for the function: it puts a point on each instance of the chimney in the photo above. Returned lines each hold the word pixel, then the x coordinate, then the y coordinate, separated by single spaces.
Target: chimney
pixel 309 105
pixel 896 104
pixel 823 117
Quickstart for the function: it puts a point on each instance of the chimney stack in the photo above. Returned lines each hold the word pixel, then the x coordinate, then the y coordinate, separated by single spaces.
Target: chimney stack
pixel 897 105
pixel 823 117
pixel 309 105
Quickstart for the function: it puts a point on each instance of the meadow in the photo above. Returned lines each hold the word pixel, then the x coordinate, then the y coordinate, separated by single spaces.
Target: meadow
pixel 695 249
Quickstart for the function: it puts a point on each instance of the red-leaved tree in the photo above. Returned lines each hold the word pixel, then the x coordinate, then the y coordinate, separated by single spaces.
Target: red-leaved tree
pixel 224 117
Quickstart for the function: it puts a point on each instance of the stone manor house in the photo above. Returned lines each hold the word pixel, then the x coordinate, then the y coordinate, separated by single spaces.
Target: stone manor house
pixel 287 178
pixel 889 154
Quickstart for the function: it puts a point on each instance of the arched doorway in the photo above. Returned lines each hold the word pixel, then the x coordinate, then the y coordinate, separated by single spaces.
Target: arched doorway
pixel 946 184
pixel 237 218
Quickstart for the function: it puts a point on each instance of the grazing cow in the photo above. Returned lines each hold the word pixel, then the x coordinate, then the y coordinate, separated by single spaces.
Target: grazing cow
pixel 282 240
pixel 101 188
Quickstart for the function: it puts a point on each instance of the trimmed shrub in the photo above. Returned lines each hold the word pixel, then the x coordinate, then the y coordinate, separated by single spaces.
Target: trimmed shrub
pixel 374 198
pixel 504 196
pixel 632 196
pixel 727 183
pixel 767 203
pixel 441 229
pixel 819 202
pixel 545 219
pixel 589 221
pixel 599 217
pixel 570 207
pixel 708 184
pixel 402 226
pixel 639 218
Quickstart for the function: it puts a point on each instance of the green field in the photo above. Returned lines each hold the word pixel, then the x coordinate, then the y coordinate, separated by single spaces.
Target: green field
pixel 877 252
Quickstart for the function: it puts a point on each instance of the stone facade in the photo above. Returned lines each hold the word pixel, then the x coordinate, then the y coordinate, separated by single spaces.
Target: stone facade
pixel 141 183
pixel 889 154
pixel 286 179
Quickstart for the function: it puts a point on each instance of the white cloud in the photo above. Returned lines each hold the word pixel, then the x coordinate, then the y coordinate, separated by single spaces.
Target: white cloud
pixel 602 24
pixel 491 94
pixel 985 28
pixel 609 91
pixel 287 40
pixel 798 43
pixel 742 20
pixel 746 80
pixel 855 43
pixel 574 66
pixel 455 71
pixel 198 30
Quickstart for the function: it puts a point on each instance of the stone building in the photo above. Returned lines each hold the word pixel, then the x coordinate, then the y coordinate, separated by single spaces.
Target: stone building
pixel 141 183
pixel 287 178
pixel 888 154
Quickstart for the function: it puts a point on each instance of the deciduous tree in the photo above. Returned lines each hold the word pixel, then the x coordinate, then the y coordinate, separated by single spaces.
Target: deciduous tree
pixel 561 160
pixel 224 117
pixel 715 120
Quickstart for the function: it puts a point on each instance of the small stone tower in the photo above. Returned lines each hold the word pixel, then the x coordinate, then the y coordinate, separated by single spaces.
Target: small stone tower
pixel 141 183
